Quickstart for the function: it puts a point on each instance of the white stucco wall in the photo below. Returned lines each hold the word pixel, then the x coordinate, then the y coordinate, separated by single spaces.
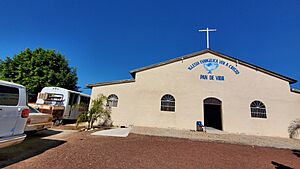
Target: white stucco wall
pixel 139 101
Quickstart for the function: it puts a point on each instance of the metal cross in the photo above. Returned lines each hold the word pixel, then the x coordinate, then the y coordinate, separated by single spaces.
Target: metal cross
pixel 207 35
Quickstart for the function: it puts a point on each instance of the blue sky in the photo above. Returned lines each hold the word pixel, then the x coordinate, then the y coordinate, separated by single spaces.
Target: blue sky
pixel 107 39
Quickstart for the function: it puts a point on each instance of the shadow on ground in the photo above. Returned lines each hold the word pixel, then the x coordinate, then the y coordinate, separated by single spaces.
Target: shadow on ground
pixel 296 153
pixel 280 166
pixel 33 145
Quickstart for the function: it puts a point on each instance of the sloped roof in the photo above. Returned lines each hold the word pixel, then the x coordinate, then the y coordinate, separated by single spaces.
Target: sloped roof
pixel 257 68
pixel 110 83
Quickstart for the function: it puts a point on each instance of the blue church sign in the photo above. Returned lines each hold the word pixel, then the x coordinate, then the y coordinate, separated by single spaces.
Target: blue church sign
pixel 210 65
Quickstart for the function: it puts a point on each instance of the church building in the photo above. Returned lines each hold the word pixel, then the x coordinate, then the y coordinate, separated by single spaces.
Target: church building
pixel 220 91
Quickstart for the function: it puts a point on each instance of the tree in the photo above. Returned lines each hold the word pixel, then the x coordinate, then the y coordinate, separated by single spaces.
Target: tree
pixel 37 69
pixel 98 111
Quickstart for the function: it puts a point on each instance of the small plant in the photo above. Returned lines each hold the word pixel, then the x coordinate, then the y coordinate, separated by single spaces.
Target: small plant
pixel 98 110
pixel 294 128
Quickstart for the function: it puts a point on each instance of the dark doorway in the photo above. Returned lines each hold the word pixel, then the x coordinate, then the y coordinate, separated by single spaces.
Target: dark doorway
pixel 213 113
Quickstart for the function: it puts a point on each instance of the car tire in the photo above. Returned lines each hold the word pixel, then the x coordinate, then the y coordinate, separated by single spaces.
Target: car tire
pixel 57 122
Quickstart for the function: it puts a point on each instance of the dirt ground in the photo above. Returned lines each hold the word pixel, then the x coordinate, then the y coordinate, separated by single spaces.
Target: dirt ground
pixel 82 150
pixel 220 137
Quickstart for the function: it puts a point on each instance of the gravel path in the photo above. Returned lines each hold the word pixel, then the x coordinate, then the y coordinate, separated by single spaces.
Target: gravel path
pixel 83 150
pixel 223 138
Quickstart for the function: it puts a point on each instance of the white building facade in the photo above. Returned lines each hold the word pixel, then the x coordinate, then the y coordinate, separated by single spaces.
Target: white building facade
pixel 216 89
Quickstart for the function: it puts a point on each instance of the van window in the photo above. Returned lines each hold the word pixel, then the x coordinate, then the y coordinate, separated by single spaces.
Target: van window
pixel 84 100
pixel 33 110
pixel 51 96
pixel 73 98
pixel 9 96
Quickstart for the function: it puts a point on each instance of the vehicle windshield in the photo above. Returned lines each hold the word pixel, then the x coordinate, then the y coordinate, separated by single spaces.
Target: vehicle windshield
pixel 33 110
pixel 50 96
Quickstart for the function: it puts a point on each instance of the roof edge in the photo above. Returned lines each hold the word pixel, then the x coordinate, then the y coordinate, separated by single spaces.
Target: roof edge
pixel 73 91
pixel 258 68
pixel 132 72
pixel 295 91
pixel 290 80
pixel 110 83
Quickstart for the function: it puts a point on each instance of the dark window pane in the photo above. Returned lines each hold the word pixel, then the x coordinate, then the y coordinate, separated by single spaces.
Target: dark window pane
pixel 85 100
pixel 32 110
pixel 9 96
pixel 167 103
pixel 73 98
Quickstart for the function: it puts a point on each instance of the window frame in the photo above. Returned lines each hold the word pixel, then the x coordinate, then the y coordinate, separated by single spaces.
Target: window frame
pixel 112 100
pixel 258 109
pixel 168 103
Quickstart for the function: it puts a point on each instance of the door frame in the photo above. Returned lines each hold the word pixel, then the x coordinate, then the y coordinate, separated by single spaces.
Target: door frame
pixel 213 101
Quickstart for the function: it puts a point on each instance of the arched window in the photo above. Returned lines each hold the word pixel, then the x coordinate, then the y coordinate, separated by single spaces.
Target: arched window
pixel 167 103
pixel 258 109
pixel 112 100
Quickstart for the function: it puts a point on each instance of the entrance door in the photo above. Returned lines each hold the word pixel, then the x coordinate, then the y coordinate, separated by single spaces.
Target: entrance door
pixel 213 113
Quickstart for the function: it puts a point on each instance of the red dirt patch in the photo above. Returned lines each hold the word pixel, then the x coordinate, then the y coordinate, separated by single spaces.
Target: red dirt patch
pixel 137 151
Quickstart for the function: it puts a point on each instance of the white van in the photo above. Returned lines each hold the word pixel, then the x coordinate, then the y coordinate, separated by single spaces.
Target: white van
pixel 13 113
